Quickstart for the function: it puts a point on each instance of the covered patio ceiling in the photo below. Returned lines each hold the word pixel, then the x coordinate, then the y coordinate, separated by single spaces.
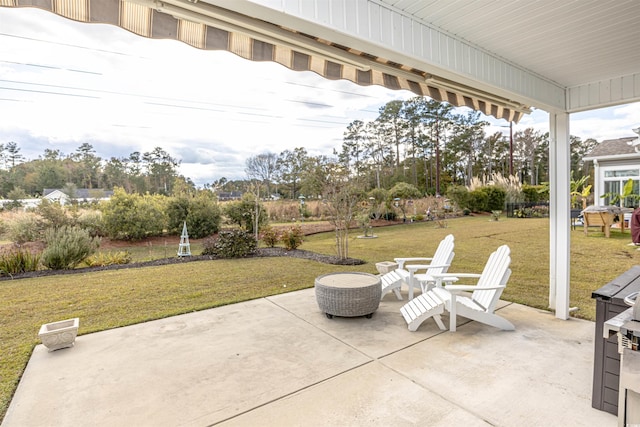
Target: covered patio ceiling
pixel 498 57
pixel 589 44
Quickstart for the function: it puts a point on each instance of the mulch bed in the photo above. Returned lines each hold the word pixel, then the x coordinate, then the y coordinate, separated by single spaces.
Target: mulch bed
pixel 261 252
pixel 307 229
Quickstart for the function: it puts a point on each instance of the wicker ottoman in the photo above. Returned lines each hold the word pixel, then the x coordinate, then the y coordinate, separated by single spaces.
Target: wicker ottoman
pixel 348 294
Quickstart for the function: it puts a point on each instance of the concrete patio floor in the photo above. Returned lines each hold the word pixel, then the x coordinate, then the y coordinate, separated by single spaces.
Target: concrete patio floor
pixel 280 361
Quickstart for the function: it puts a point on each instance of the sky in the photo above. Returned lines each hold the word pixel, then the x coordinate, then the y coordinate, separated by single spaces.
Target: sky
pixel 64 83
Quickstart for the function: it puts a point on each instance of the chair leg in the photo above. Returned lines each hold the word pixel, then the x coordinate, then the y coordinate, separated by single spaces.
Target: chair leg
pixel 452 313
pixel 438 320
pixel 391 281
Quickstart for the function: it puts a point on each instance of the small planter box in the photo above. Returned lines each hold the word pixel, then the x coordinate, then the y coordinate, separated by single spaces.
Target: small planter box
pixel 60 334
pixel 386 266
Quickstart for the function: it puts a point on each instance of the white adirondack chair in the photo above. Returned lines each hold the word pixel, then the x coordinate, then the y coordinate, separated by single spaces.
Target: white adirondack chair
pixel 479 306
pixel 409 275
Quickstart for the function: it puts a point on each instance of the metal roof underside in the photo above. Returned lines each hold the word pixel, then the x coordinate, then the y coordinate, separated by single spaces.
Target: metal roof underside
pixel 494 56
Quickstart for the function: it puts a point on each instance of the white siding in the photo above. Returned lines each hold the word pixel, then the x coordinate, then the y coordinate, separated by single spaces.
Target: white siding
pixel 604 93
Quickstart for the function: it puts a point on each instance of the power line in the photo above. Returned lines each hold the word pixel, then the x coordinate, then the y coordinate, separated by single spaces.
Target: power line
pixel 48 93
pixel 169 102
pixel 76 46
pixel 51 67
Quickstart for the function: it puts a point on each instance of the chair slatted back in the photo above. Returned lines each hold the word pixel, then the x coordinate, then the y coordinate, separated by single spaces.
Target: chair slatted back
pixel 443 256
pixel 496 273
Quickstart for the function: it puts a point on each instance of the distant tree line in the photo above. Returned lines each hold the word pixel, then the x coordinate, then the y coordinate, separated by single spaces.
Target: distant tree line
pixel 419 141
pixel 153 172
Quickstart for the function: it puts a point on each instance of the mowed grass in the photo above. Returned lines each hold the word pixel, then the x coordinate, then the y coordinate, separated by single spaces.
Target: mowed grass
pixel 109 299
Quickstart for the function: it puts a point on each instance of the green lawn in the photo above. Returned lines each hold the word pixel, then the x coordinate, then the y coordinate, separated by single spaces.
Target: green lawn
pixel 110 299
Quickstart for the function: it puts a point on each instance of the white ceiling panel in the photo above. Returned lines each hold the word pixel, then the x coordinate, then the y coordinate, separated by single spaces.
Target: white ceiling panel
pixel 568 42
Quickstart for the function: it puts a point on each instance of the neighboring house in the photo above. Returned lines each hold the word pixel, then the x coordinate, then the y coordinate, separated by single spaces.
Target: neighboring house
pixel 615 161
pixel 55 196
pixel 229 195
pixel 83 194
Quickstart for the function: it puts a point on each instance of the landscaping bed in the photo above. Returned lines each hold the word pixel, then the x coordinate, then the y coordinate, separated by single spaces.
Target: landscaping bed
pixel 107 244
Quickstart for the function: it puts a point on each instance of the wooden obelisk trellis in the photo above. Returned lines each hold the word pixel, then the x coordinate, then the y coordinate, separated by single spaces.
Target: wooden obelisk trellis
pixel 185 248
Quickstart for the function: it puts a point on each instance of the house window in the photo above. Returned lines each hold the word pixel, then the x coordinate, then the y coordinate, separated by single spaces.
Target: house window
pixel 614 181
pixel 629 173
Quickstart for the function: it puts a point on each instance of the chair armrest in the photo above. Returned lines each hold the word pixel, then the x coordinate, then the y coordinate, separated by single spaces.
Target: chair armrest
pixel 445 275
pixel 402 261
pixel 469 288
pixel 415 267
pixel 452 277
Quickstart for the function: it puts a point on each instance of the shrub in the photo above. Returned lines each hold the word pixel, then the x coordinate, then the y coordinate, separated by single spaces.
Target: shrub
pixel 243 213
pixel 535 193
pixel 52 214
pixel 401 193
pixel 102 259
pixel 201 213
pixel 231 244
pixel 133 217
pixel 67 247
pixel 495 197
pixel 478 201
pixel 292 238
pixel 204 217
pixel 24 228
pixel 18 260
pixel 177 211
pixel 459 195
pixel 270 236
pixel 91 220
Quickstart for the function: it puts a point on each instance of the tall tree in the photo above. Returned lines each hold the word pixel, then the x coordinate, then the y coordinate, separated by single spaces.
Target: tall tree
pixel 466 143
pixel 290 167
pixel 262 167
pixel 161 170
pixel 352 154
pixel 415 138
pixel 115 174
pixel 13 154
pixel 437 118
pixel 376 149
pixel 526 144
pixel 393 126
pixel 88 165
pixel 580 149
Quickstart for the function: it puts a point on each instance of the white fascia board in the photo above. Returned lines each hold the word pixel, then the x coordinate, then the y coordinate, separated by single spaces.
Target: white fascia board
pixel 604 93
pixel 375 28
pixel 613 157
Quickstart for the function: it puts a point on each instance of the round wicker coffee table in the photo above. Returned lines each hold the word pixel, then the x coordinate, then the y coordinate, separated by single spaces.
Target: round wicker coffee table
pixel 348 294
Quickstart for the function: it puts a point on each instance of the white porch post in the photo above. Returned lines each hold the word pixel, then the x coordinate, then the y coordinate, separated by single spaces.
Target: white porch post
pixel 560 204
pixel 597 188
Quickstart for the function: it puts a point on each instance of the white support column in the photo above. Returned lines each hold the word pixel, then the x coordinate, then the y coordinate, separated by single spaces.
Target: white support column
pixel 560 204
pixel 597 187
